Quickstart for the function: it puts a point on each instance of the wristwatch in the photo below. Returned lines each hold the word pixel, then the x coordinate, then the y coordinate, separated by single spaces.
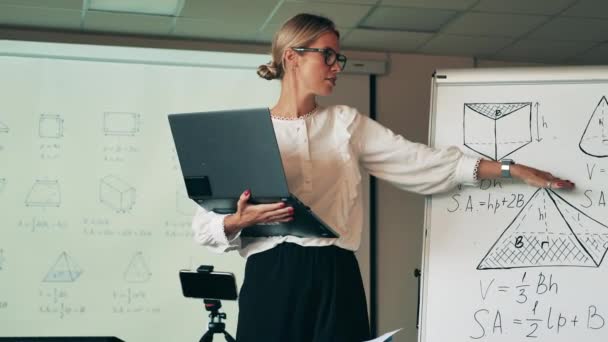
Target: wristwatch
pixel 505 168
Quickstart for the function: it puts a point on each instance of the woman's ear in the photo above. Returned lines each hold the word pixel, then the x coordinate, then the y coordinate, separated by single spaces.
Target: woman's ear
pixel 290 59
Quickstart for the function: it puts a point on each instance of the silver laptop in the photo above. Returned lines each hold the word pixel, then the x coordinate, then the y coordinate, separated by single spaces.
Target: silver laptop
pixel 223 153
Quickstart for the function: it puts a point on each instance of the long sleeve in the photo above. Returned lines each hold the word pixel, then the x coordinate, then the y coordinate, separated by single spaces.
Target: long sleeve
pixel 408 165
pixel 208 228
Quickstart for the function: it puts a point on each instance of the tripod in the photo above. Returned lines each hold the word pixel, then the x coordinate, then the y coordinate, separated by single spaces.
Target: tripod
pixel 215 324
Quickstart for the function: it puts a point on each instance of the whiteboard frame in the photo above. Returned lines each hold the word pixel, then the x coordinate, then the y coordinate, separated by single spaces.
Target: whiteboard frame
pixel 503 76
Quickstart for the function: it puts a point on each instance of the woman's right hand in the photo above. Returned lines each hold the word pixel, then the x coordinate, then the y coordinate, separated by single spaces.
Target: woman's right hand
pixel 249 214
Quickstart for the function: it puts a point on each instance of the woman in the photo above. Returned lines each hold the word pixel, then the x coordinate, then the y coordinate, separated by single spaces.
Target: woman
pixel 310 289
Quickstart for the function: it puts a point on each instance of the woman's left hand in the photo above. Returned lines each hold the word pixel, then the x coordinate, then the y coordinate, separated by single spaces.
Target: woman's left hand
pixel 538 178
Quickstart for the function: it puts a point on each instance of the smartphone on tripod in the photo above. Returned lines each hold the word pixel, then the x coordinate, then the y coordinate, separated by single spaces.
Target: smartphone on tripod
pixel 212 287
pixel 208 284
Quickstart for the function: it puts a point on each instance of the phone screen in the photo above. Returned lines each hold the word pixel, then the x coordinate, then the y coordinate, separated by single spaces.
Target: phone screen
pixel 213 285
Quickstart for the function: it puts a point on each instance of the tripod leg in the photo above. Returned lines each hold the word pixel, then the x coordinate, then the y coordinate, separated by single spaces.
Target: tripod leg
pixel 207 337
pixel 228 337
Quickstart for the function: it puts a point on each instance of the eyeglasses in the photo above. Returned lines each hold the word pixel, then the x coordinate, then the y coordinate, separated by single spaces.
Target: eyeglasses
pixel 331 56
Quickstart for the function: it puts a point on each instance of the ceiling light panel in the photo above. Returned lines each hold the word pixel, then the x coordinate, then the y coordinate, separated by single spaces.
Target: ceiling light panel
pixel 64 4
pixel 215 30
pixel 407 19
pixel 437 4
pixel 158 7
pixel 494 24
pixel 39 17
pixel 127 23
pixel 229 11
pixel 344 15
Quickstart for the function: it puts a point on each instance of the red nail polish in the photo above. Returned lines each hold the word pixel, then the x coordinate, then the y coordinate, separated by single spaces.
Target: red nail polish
pixel 247 192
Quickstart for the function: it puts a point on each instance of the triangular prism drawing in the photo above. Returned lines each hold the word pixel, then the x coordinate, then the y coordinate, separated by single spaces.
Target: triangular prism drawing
pixel 496 130
pixel 548 231
pixel 594 141
pixel 137 271
pixel 65 270
pixel 3 127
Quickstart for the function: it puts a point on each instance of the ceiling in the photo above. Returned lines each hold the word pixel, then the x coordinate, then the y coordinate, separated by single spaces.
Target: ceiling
pixel 545 31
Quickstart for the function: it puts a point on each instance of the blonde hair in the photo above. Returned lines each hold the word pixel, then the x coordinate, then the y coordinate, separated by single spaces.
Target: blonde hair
pixel 299 31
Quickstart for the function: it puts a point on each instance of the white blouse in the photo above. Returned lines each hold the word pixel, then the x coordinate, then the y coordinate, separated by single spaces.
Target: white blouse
pixel 321 155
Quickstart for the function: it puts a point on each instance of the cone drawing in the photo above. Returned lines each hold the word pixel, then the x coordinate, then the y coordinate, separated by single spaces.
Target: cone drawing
pixel 594 141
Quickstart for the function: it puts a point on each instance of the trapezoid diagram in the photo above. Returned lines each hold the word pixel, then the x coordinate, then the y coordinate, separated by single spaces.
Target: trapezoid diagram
pixel 65 270
pixel 116 193
pixel 44 193
pixel 50 126
pixel 120 123
pixel 548 231
pixel 3 127
pixel 496 130
pixel 137 271
pixel 594 141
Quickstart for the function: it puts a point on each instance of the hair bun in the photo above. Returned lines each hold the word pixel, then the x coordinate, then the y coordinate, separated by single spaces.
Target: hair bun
pixel 268 71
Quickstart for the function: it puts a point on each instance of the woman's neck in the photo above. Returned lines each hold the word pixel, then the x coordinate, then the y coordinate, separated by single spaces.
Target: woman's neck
pixel 292 103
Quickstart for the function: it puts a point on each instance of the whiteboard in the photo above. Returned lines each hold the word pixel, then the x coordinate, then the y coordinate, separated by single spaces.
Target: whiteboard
pixel 504 261
pixel 95 219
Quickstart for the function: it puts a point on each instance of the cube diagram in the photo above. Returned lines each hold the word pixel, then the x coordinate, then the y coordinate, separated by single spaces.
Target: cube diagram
pixel 116 193
pixel 496 130
pixel 50 126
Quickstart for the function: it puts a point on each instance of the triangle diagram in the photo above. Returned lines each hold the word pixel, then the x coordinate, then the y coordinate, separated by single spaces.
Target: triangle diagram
pixel 64 270
pixel 548 231
pixel 3 127
pixel 137 271
pixel 594 141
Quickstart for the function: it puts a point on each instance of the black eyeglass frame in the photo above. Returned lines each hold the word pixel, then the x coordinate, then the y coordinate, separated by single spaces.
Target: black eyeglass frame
pixel 340 58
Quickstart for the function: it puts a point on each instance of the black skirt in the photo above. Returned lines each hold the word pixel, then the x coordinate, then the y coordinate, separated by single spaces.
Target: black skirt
pixel 294 293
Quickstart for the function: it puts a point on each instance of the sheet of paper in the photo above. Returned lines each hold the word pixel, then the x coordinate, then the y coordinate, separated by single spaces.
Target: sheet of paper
pixel 384 337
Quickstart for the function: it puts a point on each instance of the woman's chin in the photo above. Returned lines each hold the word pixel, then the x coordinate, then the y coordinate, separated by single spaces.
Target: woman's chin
pixel 325 91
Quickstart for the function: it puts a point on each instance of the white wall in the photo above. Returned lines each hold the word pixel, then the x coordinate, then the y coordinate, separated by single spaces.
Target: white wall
pixel 403 106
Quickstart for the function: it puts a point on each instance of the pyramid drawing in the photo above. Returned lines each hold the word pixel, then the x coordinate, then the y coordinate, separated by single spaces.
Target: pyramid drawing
pixel 496 130
pixel 137 271
pixel 548 231
pixel 594 141
pixel 65 270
